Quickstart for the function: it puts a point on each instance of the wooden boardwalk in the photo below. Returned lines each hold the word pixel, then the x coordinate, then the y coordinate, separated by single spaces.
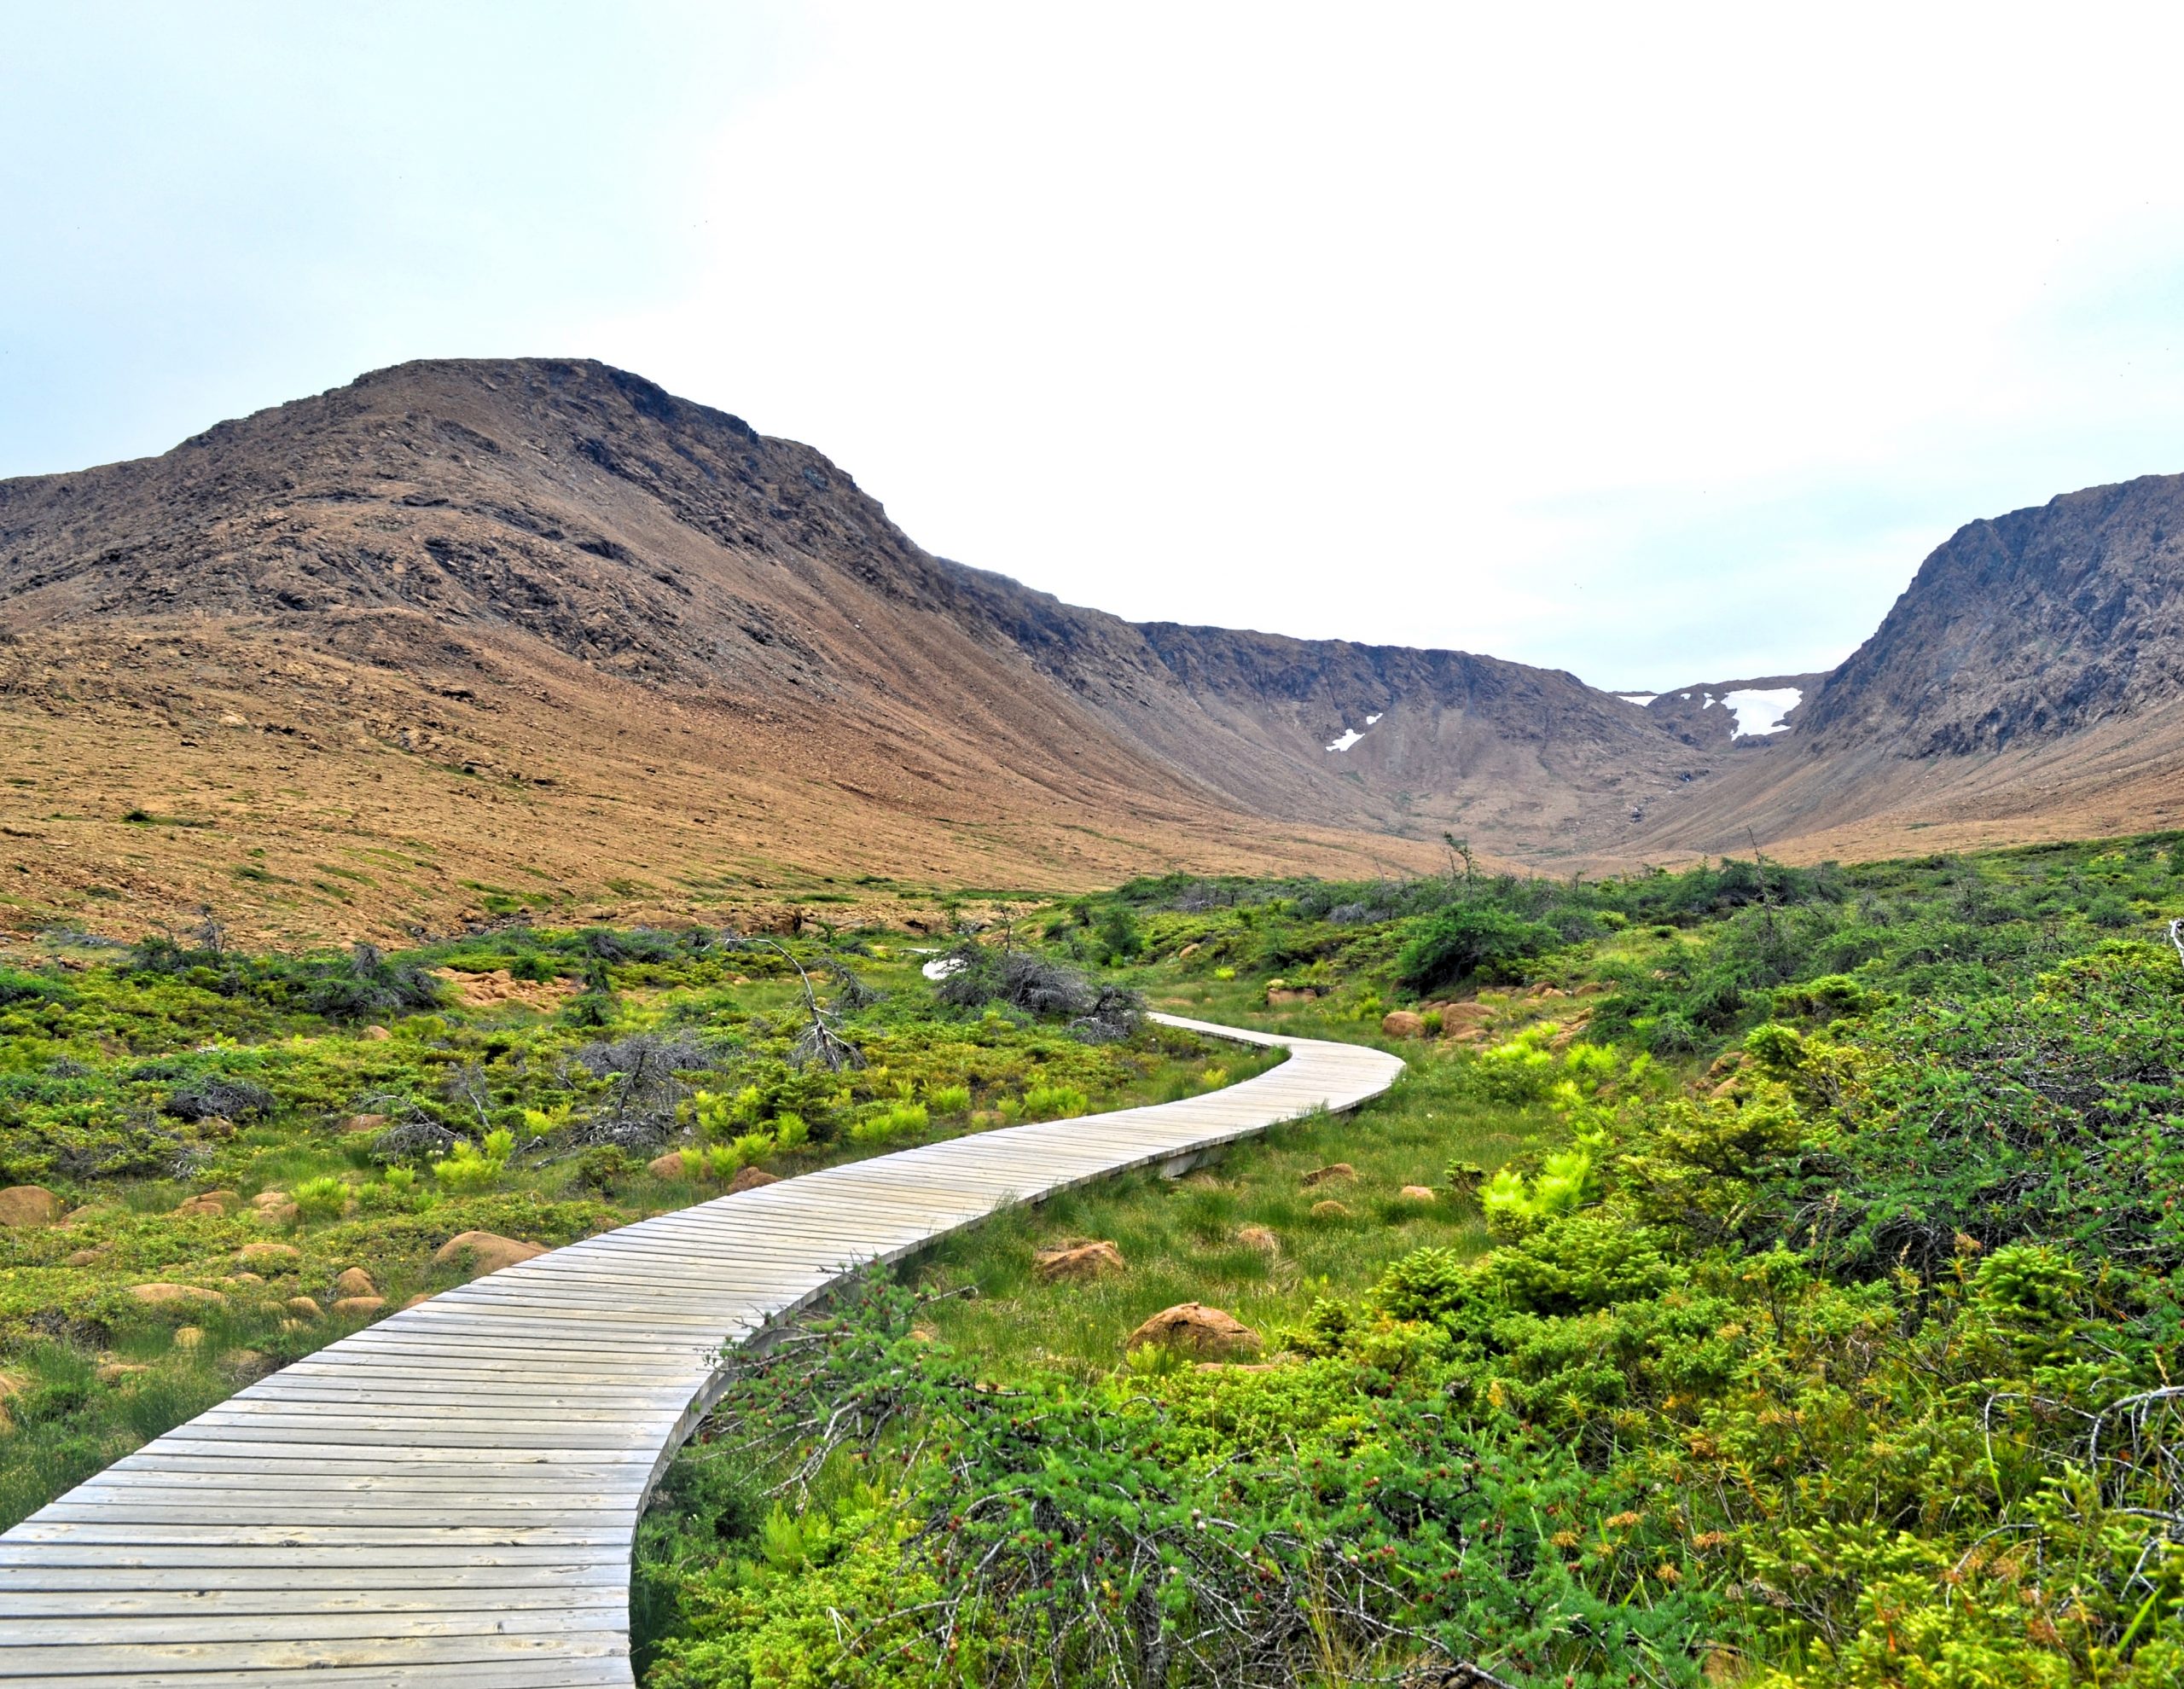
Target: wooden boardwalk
pixel 449 1496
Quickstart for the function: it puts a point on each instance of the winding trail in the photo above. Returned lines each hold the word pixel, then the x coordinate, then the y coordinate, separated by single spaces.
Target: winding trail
pixel 449 1496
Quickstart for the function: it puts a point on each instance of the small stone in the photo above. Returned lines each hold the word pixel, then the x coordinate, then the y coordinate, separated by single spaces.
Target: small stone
pixel 1336 1173
pixel 242 1279
pixel 672 1165
pixel 751 1178
pixel 421 1295
pixel 483 1251
pixel 1207 1333
pixel 84 1257
pixel 30 1205
pixel 268 1198
pixel 1418 1194
pixel 357 1307
pixel 114 1372
pixel 242 1360
pixel 303 1308
pixel 1076 1262
pixel 1329 1209
pixel 176 1296
pixel 1260 1238
pixel 375 1033
pixel 189 1336
pixel 275 1256
pixel 294 1324
pixel 355 1282
pixel 214 1203
pixel 1403 1023
pixel 279 1214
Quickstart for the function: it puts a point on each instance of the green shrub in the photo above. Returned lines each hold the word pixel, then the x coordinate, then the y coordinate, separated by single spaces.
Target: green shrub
pixel 1054 1102
pixel 949 1099
pixel 321 1198
pixel 1469 941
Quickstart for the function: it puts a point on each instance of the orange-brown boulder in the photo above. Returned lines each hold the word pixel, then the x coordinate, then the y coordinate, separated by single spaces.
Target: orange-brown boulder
pixel 30 1205
pixel 365 1122
pixel 1418 1194
pixel 672 1165
pixel 1193 1328
pixel 355 1282
pixel 276 1257
pixel 1260 1238
pixel 751 1178
pixel 355 1307
pixel 1335 1172
pixel 303 1307
pixel 483 1251
pixel 1330 1210
pixel 176 1296
pixel 1403 1023
pixel 1075 1262
pixel 84 1257
pixel 215 1203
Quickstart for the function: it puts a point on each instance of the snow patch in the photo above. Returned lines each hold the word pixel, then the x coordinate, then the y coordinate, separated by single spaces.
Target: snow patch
pixel 943 968
pixel 1760 713
pixel 1349 737
pixel 1708 705
pixel 1641 698
pixel 1369 720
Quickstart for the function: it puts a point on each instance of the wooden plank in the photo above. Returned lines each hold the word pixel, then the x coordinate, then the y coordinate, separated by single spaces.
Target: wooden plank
pixel 447 1497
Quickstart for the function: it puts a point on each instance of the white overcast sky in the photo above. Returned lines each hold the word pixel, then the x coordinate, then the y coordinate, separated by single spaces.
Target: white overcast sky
pixel 1658 343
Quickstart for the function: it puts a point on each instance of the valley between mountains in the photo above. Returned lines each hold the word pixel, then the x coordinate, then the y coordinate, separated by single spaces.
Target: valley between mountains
pixel 469 638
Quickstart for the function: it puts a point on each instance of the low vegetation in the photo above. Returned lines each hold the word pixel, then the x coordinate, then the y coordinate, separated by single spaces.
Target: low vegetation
pixel 1763 1276
pixel 217 1162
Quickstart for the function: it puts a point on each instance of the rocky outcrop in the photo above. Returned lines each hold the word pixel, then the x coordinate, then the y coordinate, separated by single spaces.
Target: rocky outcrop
pixel 1192 1328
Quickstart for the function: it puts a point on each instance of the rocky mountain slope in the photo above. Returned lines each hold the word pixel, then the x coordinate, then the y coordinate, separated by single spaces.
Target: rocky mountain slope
pixel 546 618
pixel 468 638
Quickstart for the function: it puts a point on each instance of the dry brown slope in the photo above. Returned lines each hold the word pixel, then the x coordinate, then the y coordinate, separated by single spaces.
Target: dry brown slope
pixel 538 627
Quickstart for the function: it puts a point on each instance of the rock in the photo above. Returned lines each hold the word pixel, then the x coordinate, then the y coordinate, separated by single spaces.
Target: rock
pixel 1188 951
pixel 176 1296
pixel 365 1122
pixel 1465 1014
pixel 215 1203
pixel 1260 1238
pixel 189 1336
pixel 243 1360
pixel 268 1198
pixel 751 1178
pixel 84 1257
pixel 279 1214
pixel 669 1166
pixel 1403 1023
pixel 375 1033
pixel 355 1282
pixel 1467 1035
pixel 1547 991
pixel 483 1251
pixel 421 1295
pixel 242 1279
pixel 1728 1090
pixel 355 1307
pixel 1329 1209
pixel 30 1205
pixel 114 1372
pixel 1280 996
pixel 274 1255
pixel 1076 1262
pixel 1726 1064
pixel 1418 1194
pixel 1206 1333
pixel 1336 1173
pixel 1592 988
pixel 303 1308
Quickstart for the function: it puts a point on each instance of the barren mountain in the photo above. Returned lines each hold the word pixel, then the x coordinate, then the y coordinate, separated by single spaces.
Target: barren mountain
pixel 468 638
pixel 536 632
pixel 2029 683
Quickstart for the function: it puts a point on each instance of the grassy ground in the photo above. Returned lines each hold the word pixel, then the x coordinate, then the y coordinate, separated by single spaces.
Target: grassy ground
pixel 98 1054
pixel 1241 1234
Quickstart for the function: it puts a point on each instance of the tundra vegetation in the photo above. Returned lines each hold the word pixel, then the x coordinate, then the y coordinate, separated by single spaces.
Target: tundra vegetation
pixel 1763 1276
pixel 215 1162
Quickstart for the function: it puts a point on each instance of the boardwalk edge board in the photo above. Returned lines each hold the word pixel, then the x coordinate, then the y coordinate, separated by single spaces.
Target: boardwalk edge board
pixel 308 1487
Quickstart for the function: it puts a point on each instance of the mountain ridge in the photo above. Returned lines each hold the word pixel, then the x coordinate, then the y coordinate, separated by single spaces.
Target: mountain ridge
pixel 492 568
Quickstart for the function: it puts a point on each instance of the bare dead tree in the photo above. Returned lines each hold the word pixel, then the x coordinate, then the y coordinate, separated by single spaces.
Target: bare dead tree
pixel 820 1042
pixel 2176 938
